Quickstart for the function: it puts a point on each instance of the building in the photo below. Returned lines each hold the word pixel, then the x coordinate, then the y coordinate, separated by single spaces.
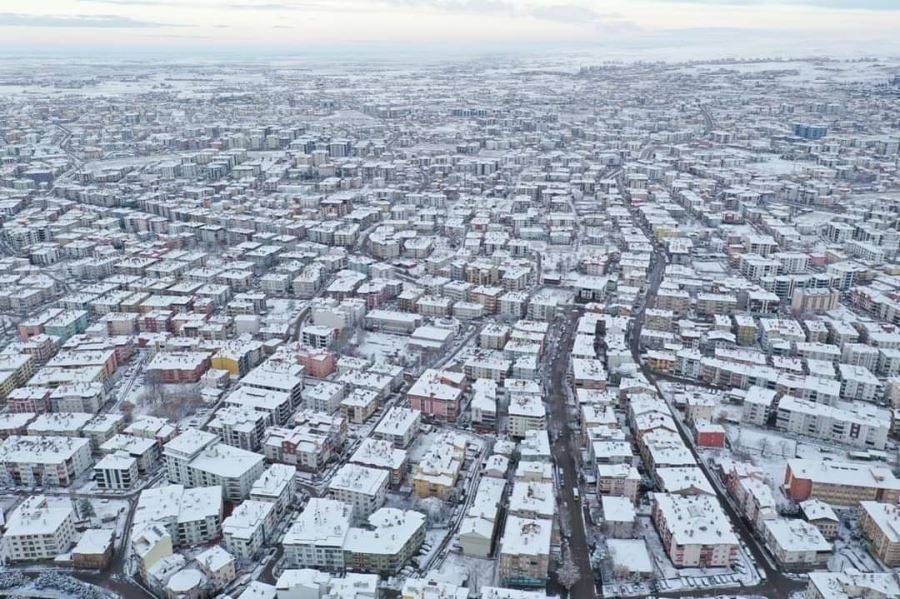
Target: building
pixel 618 480
pixel 231 468
pixel 694 530
pixel 316 538
pixel 840 483
pixel 880 523
pixel 387 542
pixel 363 488
pixel 437 394
pixel 525 552
pixel 189 516
pixel 178 367
pixel 855 424
pixel 619 517
pixel 94 549
pixel 377 453
pixel 795 543
pixel 37 531
pixel 36 460
pixel 248 528
pixel 116 471
pixel 399 425
pixel 526 412
pixel 437 472
pixel 277 486
pixel 822 516
pixel 852 584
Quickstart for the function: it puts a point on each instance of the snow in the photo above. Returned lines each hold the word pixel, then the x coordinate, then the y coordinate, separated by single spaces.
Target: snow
pixel 380 347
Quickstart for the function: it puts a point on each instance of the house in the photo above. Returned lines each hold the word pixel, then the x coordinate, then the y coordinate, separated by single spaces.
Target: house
pixel 819 514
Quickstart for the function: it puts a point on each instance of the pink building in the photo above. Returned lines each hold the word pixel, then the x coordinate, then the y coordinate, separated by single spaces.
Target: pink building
pixel 319 363
pixel 437 394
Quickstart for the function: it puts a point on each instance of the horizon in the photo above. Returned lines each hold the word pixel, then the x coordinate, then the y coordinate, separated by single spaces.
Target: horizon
pixel 651 29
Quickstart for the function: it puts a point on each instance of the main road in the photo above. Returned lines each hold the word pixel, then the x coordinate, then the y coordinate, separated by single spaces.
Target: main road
pixel 565 449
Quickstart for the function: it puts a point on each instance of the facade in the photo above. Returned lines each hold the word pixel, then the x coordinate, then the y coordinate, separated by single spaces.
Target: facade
pixel 36 460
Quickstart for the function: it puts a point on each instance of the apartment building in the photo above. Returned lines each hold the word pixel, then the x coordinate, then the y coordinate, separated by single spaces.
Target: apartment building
pixel 880 524
pixel 35 530
pixel 524 558
pixel 361 487
pixel 694 530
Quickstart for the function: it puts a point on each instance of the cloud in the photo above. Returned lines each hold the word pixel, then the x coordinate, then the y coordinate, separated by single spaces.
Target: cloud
pixel 565 13
pixel 8 19
pixel 273 6
pixel 833 4
pixel 470 6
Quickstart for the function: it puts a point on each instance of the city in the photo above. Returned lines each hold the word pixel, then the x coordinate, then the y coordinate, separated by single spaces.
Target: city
pixel 448 330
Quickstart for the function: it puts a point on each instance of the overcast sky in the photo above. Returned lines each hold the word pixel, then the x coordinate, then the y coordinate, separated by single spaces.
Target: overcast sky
pixel 713 27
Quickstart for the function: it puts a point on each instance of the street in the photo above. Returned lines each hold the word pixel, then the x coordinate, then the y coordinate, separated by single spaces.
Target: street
pixel 566 451
pixel 776 584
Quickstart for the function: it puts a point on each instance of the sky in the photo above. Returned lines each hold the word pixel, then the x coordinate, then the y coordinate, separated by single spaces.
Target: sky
pixel 618 28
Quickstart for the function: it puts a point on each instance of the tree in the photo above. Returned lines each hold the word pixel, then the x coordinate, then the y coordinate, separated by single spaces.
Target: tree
pixel 86 508
pixel 568 573
pixel 763 446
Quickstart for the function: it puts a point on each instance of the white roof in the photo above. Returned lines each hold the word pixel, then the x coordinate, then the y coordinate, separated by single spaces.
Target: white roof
pixel 533 497
pixel 323 522
pixel 630 554
pixel 39 449
pixel 359 479
pixel 815 509
pixel 34 517
pixel 272 482
pixel 226 461
pixel 398 421
pixel 389 530
pixel 215 558
pixel 378 454
pixel 248 517
pixel 617 509
pixel 695 520
pixel 796 535
pixel 526 536
pixel 886 517
pixel 851 584
pixel 849 473
pixel 94 541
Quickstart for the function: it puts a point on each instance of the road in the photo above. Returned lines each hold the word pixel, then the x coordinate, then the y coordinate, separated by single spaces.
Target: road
pixel 708 122
pixel 566 450
pixel 776 584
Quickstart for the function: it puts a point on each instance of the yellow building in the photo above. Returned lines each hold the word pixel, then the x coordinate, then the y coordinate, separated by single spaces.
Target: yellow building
pixel 436 474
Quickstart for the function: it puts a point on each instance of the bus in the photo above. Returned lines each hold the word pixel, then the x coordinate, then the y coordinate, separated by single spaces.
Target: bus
pixel 576 495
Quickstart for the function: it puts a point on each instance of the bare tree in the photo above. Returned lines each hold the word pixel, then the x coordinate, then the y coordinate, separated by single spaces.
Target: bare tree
pixel 763 446
pixel 568 573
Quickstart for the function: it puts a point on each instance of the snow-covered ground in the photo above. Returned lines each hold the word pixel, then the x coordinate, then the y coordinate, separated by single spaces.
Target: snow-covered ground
pixel 669 578
pixel 381 347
